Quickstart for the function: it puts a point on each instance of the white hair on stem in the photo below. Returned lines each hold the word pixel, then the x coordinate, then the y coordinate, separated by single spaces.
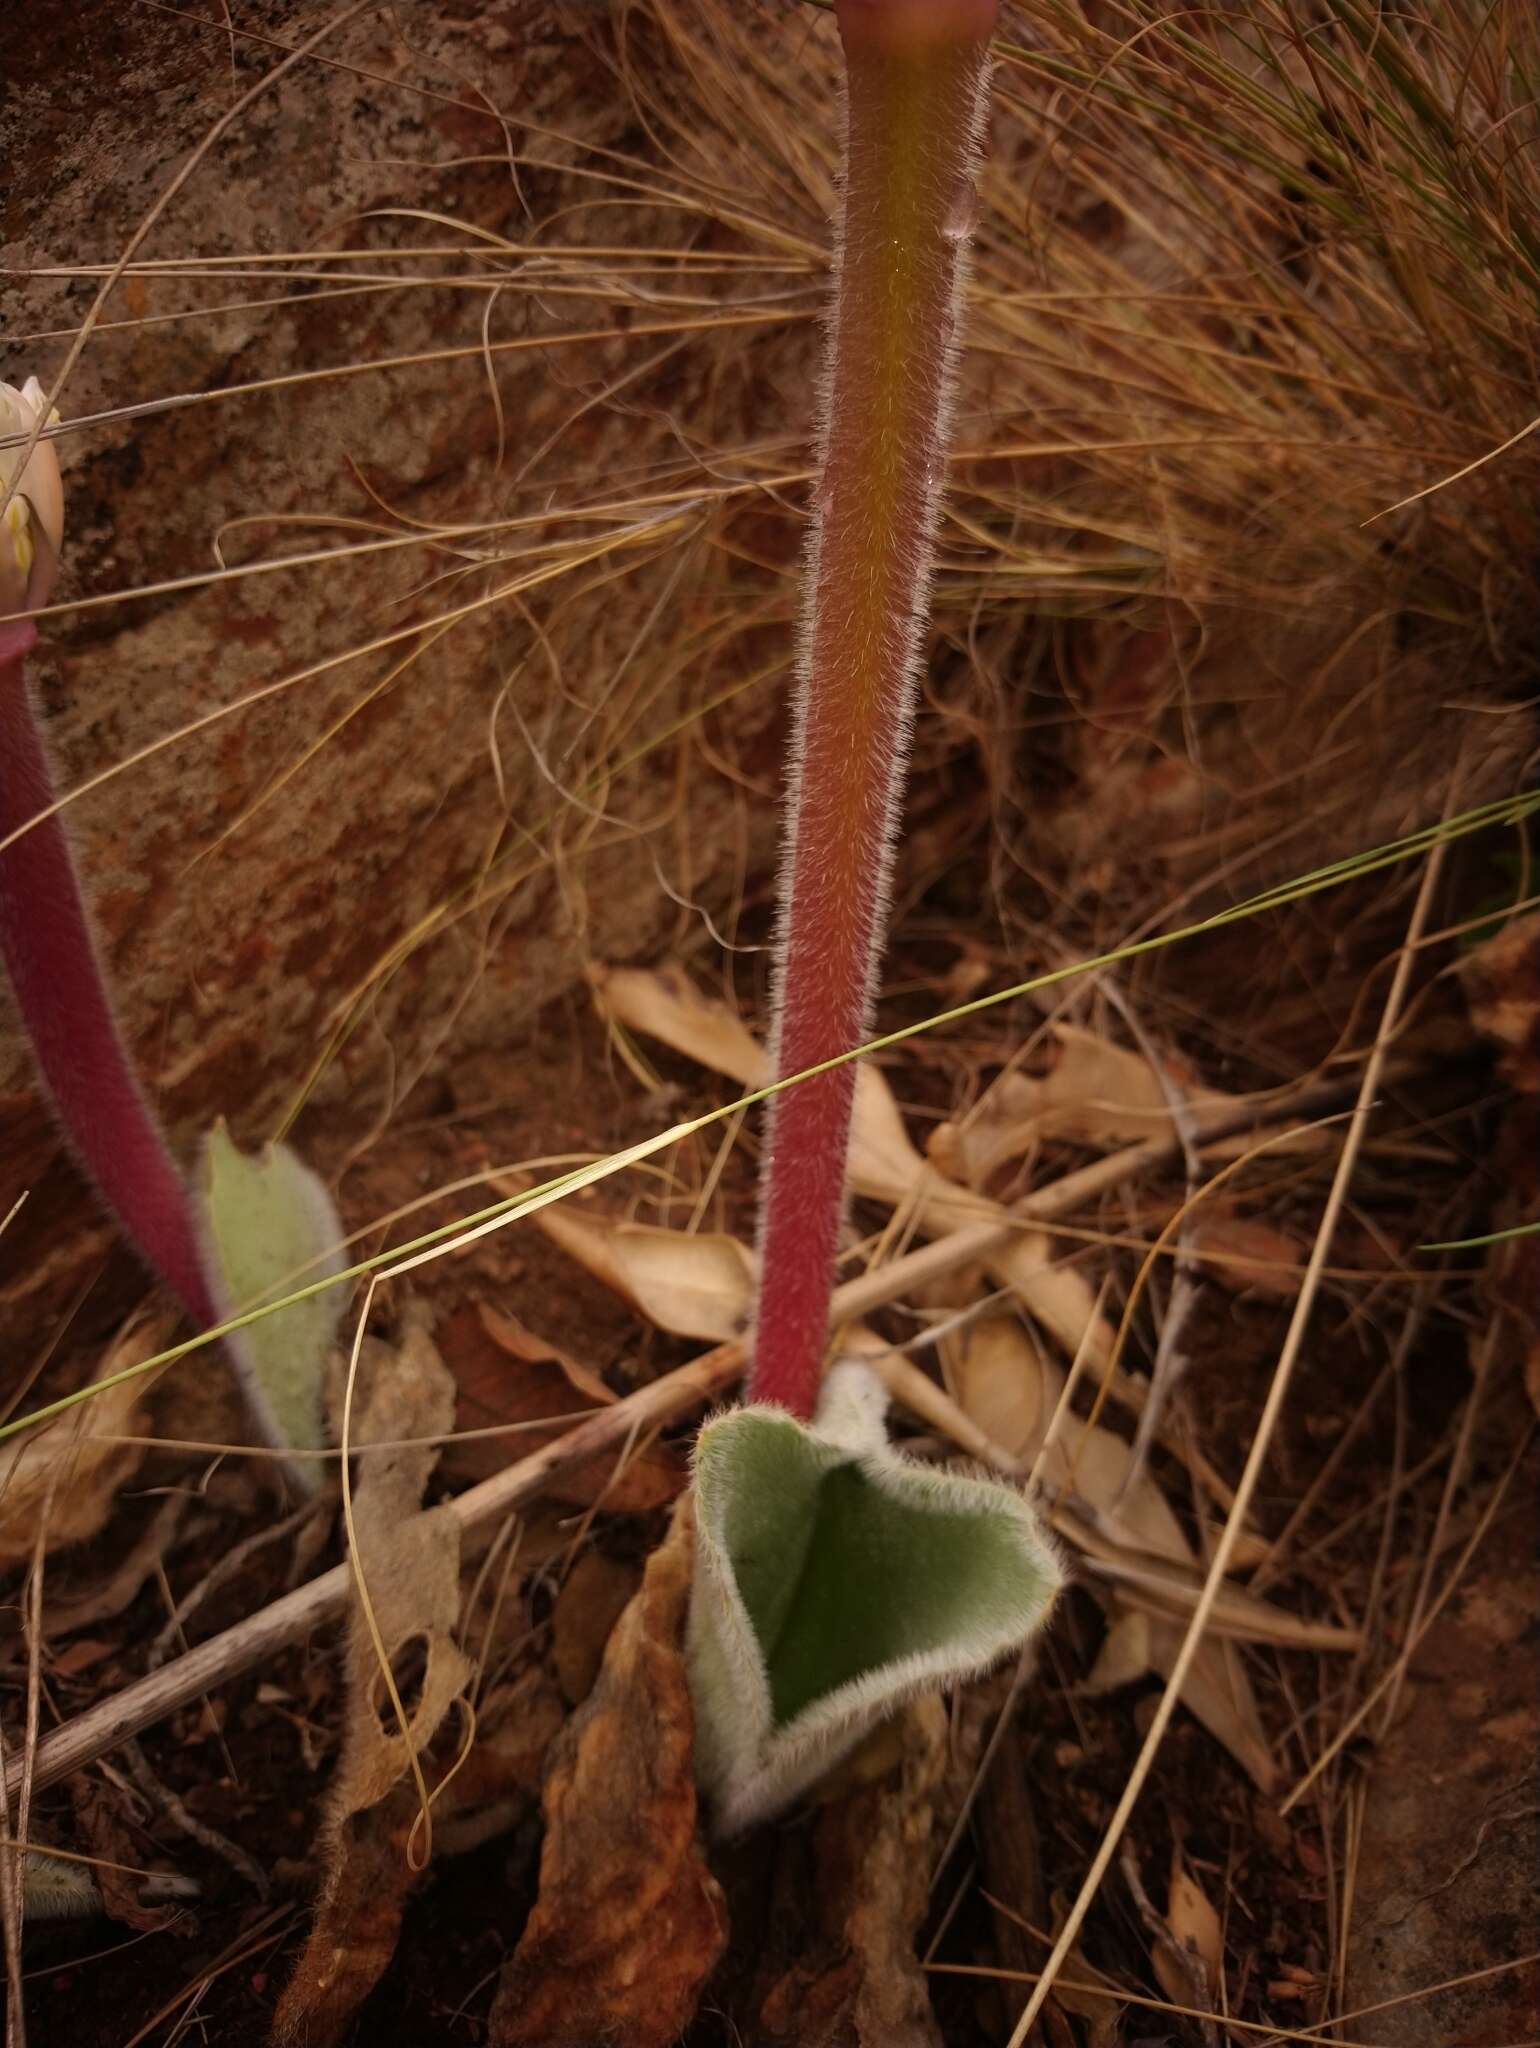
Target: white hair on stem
pixel 907 548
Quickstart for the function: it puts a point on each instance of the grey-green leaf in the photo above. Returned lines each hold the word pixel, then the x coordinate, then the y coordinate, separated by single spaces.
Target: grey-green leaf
pixel 269 1228
pixel 834 1579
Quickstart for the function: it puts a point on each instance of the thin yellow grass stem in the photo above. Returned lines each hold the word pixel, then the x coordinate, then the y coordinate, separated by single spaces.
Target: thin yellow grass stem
pixel 1272 1408
pixel 452 1235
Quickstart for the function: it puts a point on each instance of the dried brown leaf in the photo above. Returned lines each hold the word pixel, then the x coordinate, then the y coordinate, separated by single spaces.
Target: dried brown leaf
pixel 1059 1297
pixel 1244 1253
pixel 1006 1385
pixel 1094 1093
pixel 506 1375
pixel 519 1342
pixel 1216 1690
pixel 1124 1657
pixel 690 1283
pixel 1502 983
pixel 65 1477
pixel 628 1922
pixel 1002 1382
pixel 1193 1921
pixel 411 1563
pixel 664 1003
pixel 1092 1465
pixel 79 1656
pixel 1011 1390
pixel 1218 1693
pixel 594 1595
pixel 1179 1969
pixel 884 1165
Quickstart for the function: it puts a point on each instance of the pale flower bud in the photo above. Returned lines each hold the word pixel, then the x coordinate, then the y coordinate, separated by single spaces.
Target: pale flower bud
pixel 32 524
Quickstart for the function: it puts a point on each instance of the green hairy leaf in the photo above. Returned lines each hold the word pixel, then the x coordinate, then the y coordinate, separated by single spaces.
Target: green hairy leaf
pixel 269 1226
pixel 53 1888
pixel 835 1579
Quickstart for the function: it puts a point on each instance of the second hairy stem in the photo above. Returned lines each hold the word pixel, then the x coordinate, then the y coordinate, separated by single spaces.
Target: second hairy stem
pixel 916 72
pixel 50 955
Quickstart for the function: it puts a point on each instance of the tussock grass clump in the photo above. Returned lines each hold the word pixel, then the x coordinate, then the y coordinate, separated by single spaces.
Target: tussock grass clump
pixel 1244 284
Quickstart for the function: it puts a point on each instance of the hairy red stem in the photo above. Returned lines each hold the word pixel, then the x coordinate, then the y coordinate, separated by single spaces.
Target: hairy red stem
pixel 916 75
pixel 50 956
